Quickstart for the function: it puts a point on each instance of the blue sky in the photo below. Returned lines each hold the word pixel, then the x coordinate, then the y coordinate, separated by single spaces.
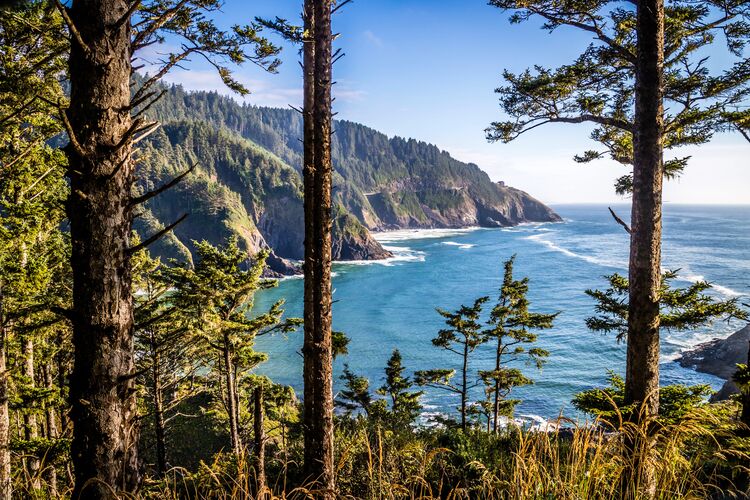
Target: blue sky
pixel 427 69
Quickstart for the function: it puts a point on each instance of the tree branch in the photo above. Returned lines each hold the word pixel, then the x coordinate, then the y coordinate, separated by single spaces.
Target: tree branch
pixel 156 236
pixel 147 196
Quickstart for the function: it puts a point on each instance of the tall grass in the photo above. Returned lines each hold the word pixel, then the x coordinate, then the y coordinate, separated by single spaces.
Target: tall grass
pixel 699 457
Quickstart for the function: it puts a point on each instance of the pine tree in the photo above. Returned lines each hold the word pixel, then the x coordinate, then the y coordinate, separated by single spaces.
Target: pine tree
pixel 218 295
pixel 104 121
pixel 462 337
pixel 510 326
pixel 317 175
pixel 404 403
pixel 642 55
pixel 680 309
pixel 165 354
pixel 32 248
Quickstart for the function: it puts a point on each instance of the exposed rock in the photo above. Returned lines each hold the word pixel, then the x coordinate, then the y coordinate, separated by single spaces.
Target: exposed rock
pixel 248 184
pixel 720 357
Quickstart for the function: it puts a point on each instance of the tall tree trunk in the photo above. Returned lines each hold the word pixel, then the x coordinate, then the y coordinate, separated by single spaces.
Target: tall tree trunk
pixel 234 427
pixel 464 385
pixel 52 433
pixel 642 371
pixel 102 388
pixel 260 443
pixel 31 431
pixel 496 407
pixel 317 173
pixel 161 445
pixel 6 485
pixel 745 399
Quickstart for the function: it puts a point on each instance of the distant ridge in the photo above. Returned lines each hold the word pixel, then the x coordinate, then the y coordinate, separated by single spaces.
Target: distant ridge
pixel 247 182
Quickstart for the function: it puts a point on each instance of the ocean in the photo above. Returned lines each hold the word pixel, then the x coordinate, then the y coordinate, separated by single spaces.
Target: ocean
pixel 384 305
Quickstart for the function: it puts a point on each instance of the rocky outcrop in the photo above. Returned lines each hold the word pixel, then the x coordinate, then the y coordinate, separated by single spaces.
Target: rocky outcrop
pixel 248 185
pixel 720 357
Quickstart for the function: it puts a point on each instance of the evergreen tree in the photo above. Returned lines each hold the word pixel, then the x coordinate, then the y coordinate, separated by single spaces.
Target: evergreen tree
pixel 510 326
pixel 317 174
pixel 32 248
pixel 609 405
pixel 356 395
pixel 104 121
pixel 165 354
pixel 679 309
pixel 404 403
pixel 642 55
pixel 462 337
pixel 218 295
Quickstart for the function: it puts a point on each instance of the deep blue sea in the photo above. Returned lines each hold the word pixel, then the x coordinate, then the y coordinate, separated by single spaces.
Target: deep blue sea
pixel 391 304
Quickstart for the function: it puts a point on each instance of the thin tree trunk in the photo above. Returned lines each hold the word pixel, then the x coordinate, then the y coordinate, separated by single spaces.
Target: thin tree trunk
pixel 52 433
pixel 642 371
pixel 318 376
pixel 161 446
pixel 234 428
pixel 31 431
pixel 745 399
pixel 6 485
pixel 464 388
pixel 102 388
pixel 496 409
pixel 260 443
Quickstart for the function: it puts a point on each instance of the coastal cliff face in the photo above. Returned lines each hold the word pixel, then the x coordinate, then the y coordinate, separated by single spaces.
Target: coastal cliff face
pixel 247 183
pixel 720 357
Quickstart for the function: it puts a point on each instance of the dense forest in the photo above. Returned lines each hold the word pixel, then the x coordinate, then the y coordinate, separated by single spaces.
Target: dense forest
pixel 139 221
pixel 249 159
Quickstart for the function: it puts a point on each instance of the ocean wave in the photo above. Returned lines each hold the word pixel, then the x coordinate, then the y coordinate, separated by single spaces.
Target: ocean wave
pixel 539 238
pixel 724 290
pixel 400 254
pixel 419 234
pixel 462 246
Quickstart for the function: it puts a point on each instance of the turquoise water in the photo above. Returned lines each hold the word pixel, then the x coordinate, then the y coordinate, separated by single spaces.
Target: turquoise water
pixel 391 304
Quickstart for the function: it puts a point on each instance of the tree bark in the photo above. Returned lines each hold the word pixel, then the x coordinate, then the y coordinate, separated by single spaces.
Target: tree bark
pixel 102 388
pixel 6 485
pixel 31 432
pixel 52 433
pixel 642 371
pixel 745 399
pixel 161 446
pixel 234 427
pixel 496 407
pixel 260 444
pixel 464 383
pixel 642 376
pixel 318 376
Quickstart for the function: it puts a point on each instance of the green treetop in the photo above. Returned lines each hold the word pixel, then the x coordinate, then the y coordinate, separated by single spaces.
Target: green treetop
pixel 510 326
pixel 598 86
pixel 219 293
pixel 680 309
pixel 462 337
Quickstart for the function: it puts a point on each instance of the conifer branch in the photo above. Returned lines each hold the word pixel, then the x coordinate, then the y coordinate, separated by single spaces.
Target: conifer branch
pixel 619 220
pixel 72 27
pixel 156 236
pixel 150 194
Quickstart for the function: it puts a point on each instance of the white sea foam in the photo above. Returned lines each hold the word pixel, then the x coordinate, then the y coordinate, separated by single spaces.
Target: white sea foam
pixel 462 246
pixel 419 234
pixel 694 278
pixel 540 238
pixel 400 254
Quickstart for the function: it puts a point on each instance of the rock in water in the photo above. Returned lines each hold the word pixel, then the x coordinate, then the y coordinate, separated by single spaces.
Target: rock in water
pixel 719 357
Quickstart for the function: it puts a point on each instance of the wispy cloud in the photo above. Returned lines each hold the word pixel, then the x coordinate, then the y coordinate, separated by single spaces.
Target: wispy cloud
pixel 373 38
pixel 262 92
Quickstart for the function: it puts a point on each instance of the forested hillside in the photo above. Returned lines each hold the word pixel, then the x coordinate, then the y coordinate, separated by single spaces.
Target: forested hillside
pixel 247 182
